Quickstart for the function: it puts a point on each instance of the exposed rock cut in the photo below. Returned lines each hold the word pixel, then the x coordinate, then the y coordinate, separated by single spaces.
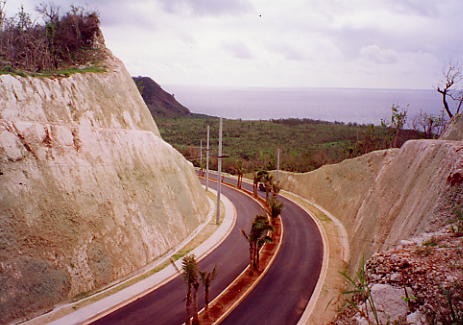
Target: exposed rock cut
pixel 89 191
pixel 386 196
pixel 454 130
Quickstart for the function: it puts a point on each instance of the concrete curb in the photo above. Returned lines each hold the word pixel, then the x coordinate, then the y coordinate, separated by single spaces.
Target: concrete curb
pixel 125 296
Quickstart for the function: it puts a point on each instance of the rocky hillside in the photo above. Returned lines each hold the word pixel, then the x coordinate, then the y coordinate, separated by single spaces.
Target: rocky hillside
pixel 159 102
pixel 89 191
pixel 385 197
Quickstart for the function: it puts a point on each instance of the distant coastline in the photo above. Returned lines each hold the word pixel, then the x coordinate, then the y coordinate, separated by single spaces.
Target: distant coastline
pixel 359 105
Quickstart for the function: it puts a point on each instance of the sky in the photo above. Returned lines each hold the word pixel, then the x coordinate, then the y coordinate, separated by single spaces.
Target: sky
pixel 399 44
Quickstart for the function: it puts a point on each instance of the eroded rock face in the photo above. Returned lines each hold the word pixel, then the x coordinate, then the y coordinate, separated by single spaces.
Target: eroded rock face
pixel 386 196
pixel 89 191
pixel 454 130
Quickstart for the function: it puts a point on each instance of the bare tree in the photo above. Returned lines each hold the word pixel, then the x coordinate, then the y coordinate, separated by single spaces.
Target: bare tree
pixel 2 13
pixel 49 12
pixel 450 88
pixel 432 125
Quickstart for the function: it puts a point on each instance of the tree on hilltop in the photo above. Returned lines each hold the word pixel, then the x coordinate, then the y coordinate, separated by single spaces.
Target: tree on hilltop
pixel 62 41
pixel 451 88
pixel 396 124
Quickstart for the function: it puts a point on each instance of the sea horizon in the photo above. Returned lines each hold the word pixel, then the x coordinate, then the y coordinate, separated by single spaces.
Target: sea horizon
pixel 341 104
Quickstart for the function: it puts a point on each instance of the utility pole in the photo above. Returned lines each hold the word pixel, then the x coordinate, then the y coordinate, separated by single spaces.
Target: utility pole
pixel 219 169
pixel 201 154
pixel 278 159
pixel 207 161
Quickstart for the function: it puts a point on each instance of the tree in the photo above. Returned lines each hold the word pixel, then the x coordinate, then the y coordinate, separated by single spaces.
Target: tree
pixel 61 42
pixel 450 88
pixel 268 181
pixel 276 188
pixel 275 207
pixel 257 236
pixel 432 125
pixel 258 176
pixel 2 13
pixel 190 275
pixel 397 122
pixel 206 279
pixel 240 171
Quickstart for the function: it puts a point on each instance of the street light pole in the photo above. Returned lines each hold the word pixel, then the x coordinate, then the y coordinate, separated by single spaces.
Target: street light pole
pixel 219 169
pixel 201 154
pixel 207 161
pixel 278 159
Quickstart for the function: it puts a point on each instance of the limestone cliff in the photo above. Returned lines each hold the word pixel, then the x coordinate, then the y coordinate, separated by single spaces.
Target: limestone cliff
pixel 89 191
pixel 385 196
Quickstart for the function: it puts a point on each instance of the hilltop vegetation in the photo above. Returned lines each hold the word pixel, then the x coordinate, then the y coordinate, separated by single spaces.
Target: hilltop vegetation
pixel 66 43
pixel 305 144
pixel 159 102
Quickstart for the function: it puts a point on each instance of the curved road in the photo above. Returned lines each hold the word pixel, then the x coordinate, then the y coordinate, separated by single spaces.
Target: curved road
pixel 283 293
pixel 279 298
pixel 166 304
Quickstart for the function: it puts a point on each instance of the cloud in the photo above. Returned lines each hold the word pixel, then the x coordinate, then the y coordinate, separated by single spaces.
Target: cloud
pixel 238 50
pixel 374 53
pixel 207 7
pixel 356 43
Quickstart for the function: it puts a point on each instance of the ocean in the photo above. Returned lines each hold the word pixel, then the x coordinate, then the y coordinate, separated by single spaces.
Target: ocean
pixel 329 104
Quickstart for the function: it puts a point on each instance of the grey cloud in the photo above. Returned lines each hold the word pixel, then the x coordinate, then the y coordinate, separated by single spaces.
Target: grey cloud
pixel 207 7
pixel 426 8
pixel 112 12
pixel 238 49
pixel 287 51
pixel 376 54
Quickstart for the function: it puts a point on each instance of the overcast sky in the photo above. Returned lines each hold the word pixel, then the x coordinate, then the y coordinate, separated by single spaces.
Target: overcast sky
pixel 291 43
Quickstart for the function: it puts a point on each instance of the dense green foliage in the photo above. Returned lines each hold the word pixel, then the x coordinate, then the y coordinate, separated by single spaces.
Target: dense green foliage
pixel 305 144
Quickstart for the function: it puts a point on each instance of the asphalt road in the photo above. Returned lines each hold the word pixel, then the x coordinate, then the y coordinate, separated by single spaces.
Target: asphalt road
pixel 283 293
pixel 166 305
pixel 280 297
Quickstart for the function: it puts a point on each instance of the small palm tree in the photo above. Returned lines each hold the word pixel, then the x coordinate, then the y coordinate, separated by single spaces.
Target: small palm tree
pixel 268 181
pixel 257 236
pixel 190 274
pixel 258 177
pixel 240 171
pixel 275 207
pixel 206 279
pixel 275 188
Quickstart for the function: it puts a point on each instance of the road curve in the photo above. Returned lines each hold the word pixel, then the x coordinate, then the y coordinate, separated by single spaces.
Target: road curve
pixel 166 305
pixel 283 293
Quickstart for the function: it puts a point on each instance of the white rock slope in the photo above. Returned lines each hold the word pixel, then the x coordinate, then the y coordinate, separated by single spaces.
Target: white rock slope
pixel 385 196
pixel 89 192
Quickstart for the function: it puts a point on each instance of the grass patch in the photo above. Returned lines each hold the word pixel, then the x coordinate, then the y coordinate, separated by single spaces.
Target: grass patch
pixel 52 74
